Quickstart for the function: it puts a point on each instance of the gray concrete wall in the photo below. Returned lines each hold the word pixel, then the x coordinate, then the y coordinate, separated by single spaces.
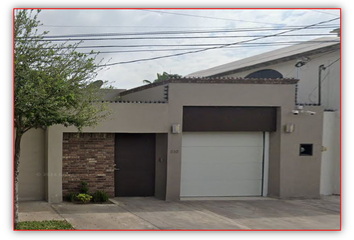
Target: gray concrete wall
pixel 150 94
pixel 161 166
pixel 31 179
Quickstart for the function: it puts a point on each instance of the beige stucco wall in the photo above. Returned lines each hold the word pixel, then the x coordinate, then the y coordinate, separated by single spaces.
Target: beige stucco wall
pixel 300 175
pixel 290 175
pixel 287 178
pixel 161 165
pixel 219 95
pixel 31 180
pixel 150 94
pixel 308 93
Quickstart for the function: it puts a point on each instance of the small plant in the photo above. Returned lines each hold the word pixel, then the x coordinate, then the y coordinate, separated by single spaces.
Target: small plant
pixel 100 196
pixel 44 225
pixel 70 197
pixel 83 197
pixel 84 189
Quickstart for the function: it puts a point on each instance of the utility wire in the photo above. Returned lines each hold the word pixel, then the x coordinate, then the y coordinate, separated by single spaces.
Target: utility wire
pixel 184 37
pixel 180 49
pixel 203 16
pixel 332 63
pixel 312 58
pixel 217 47
pixel 325 13
pixel 199 45
pixel 324 78
pixel 192 45
pixel 179 32
pixel 166 27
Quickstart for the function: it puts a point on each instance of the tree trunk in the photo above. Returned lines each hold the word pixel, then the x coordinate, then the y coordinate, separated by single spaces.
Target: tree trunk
pixel 16 172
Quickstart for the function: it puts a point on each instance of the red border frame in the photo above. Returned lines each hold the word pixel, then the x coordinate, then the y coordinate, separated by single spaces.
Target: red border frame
pixel 340 64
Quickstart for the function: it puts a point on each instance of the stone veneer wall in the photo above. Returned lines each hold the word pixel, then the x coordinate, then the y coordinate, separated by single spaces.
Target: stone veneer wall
pixel 88 157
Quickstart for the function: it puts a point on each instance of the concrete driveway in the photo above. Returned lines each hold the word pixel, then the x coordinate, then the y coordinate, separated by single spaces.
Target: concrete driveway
pixel 237 213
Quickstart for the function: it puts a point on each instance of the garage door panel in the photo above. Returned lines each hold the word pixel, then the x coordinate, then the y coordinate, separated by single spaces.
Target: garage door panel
pixel 211 172
pixel 222 188
pixel 223 155
pixel 205 139
pixel 222 164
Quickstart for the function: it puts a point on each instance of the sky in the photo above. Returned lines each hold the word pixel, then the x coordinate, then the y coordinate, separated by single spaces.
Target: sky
pixel 156 22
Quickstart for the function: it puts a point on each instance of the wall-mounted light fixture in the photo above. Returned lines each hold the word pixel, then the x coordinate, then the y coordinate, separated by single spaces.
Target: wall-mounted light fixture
pixel 176 128
pixel 300 109
pixel 301 62
pixel 289 128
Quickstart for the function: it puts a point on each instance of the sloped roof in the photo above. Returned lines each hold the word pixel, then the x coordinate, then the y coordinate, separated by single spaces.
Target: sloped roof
pixel 283 54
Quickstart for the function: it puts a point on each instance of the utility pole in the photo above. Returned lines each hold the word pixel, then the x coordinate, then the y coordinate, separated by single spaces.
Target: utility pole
pixel 320 68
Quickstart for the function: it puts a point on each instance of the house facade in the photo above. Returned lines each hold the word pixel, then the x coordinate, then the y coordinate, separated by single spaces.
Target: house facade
pixel 184 138
pixel 317 64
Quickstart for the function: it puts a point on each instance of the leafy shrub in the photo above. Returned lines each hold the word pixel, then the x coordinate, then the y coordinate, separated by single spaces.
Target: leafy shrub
pixel 83 197
pixel 70 197
pixel 84 188
pixel 100 196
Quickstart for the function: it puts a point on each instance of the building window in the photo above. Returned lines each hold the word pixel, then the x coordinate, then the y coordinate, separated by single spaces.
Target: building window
pixel 266 73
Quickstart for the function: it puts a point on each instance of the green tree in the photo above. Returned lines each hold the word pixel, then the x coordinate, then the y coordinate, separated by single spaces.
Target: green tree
pixel 52 85
pixel 162 77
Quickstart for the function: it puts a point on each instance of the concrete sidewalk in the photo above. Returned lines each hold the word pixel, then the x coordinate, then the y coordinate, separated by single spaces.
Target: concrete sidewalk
pixel 151 213
pixel 37 211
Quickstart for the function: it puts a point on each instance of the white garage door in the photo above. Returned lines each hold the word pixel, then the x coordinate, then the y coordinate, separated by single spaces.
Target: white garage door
pixel 222 164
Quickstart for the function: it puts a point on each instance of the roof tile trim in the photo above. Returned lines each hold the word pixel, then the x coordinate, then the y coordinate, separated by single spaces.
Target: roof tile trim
pixel 213 80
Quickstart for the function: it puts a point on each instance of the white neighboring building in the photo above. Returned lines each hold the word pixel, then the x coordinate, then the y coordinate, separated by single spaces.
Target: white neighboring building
pixel 302 61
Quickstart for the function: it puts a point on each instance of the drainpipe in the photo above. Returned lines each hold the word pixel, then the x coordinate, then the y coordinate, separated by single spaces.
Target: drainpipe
pixel 320 68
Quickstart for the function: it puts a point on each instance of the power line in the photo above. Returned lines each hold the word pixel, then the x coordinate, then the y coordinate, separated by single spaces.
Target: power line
pixel 324 78
pixel 217 47
pixel 325 13
pixel 332 63
pixel 179 49
pixel 251 44
pixel 208 17
pixel 312 58
pixel 159 27
pixel 185 32
pixel 181 32
pixel 197 44
pixel 183 49
pixel 182 37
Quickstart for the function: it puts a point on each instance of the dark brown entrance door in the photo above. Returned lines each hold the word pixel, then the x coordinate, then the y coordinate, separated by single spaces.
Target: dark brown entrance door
pixel 135 164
